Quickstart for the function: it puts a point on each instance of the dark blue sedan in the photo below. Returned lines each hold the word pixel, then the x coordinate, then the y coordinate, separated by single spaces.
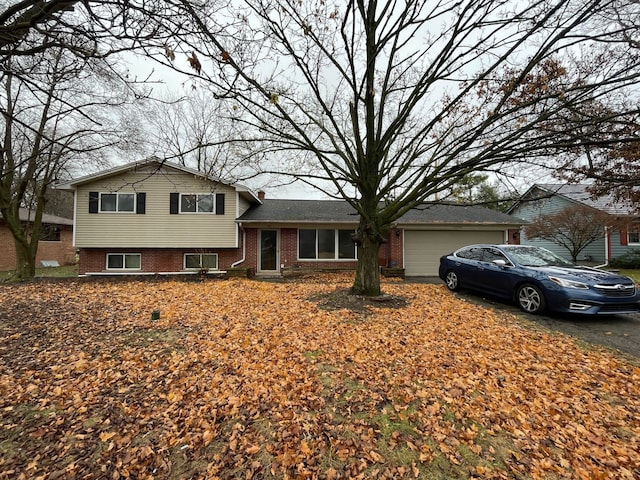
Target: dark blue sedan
pixel 537 280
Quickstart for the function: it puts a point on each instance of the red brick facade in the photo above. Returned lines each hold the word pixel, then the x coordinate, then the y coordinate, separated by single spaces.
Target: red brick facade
pixel 93 260
pixel 390 252
pixel 61 251
pixel 153 260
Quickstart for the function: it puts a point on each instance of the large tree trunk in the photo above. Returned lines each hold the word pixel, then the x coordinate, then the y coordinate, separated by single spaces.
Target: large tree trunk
pixel 367 281
pixel 25 259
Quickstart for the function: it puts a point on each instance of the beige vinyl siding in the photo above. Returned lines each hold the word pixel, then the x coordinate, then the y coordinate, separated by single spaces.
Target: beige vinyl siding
pixel 243 205
pixel 157 227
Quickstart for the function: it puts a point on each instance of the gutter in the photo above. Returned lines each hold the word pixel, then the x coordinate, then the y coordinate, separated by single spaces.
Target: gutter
pixel 606 249
pixel 244 247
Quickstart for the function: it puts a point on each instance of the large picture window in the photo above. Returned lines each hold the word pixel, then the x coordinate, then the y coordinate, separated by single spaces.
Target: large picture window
pixel 326 244
pixel 123 261
pixel 193 261
pixel 117 202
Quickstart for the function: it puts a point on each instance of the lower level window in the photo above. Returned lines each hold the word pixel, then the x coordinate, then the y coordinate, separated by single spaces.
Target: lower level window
pixel 123 261
pixel 201 260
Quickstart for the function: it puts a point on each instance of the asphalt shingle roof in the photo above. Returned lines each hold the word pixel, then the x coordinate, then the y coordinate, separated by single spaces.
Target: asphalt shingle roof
pixel 27 215
pixel 336 211
pixel 579 193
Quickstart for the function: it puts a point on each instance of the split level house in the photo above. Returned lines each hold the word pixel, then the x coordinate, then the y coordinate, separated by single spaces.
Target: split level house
pixel 156 217
pixel 549 199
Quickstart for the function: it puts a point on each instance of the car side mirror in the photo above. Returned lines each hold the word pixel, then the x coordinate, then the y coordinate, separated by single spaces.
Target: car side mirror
pixel 501 263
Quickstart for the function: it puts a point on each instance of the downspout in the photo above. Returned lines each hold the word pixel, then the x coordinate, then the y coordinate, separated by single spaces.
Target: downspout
pixel 607 246
pixel 244 247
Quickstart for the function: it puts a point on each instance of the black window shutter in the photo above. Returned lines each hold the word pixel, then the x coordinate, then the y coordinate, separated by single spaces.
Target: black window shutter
pixel 94 199
pixel 219 203
pixel 174 198
pixel 141 202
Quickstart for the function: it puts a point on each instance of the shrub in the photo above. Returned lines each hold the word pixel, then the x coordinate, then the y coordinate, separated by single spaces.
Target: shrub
pixel 631 259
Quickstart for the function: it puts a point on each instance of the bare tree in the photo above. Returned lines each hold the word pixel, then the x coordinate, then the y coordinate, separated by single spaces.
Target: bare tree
pixel 394 102
pixel 193 130
pixel 574 228
pixel 53 118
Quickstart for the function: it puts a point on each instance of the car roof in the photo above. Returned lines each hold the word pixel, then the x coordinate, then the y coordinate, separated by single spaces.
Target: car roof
pixel 497 245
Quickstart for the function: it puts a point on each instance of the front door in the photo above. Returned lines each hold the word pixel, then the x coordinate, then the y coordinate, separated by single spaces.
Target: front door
pixel 268 251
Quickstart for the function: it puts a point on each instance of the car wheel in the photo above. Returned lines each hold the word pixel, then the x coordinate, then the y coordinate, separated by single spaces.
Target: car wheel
pixel 451 281
pixel 530 298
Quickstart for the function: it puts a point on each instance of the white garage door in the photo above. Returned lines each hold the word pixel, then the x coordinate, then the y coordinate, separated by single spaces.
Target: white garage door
pixel 423 248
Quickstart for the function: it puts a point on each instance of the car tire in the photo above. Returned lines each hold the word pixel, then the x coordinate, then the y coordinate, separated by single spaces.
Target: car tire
pixel 452 281
pixel 530 298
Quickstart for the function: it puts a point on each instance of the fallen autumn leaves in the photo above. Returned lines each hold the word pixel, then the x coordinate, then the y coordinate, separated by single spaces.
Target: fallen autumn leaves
pixel 245 379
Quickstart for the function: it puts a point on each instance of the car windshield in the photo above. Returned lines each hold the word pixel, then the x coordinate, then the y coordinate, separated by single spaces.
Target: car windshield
pixel 535 257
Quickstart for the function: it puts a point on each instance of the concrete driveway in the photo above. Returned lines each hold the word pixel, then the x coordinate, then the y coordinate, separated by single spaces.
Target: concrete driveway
pixel 619 332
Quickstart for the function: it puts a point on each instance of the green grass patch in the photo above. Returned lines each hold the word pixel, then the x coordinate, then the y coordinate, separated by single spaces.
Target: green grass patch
pixel 634 274
pixel 64 271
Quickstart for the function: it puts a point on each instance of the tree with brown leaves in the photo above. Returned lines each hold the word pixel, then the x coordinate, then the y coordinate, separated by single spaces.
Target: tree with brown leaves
pixel 574 228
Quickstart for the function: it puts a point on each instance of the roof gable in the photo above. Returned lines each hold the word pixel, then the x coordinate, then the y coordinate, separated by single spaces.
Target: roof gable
pixel 577 193
pixel 152 165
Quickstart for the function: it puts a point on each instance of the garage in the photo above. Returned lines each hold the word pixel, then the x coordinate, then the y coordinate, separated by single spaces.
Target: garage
pixel 423 248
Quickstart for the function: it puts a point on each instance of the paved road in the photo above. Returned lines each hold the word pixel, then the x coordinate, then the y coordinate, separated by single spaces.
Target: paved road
pixel 620 332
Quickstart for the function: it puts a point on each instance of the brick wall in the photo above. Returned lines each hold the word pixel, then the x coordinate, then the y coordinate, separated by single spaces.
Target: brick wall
pixel 153 260
pixel 171 260
pixel 63 251
pixel 390 253
pixel 395 248
pixel 8 255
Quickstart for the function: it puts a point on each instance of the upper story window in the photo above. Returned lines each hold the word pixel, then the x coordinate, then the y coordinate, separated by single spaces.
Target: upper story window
pixel 196 203
pixel 117 202
pixel 326 244
pixel 124 202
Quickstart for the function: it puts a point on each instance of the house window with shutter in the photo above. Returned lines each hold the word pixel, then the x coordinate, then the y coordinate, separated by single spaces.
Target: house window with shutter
pixel 207 203
pixel 118 202
pixel 633 234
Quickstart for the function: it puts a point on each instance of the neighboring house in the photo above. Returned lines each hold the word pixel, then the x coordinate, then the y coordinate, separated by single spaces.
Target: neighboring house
pixel 56 241
pixel 549 199
pixel 157 217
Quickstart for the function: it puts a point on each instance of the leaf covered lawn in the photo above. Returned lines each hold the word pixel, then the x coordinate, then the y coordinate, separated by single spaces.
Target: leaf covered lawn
pixel 247 379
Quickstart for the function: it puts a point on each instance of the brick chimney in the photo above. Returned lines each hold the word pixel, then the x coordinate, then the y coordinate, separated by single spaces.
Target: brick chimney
pixel 261 195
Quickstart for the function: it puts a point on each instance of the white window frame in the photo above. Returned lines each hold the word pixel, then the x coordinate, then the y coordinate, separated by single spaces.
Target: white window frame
pixel 336 246
pixel 631 230
pixel 197 195
pixel 124 261
pixel 117 194
pixel 184 261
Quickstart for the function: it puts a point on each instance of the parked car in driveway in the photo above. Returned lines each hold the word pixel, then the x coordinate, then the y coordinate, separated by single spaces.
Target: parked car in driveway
pixel 537 280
